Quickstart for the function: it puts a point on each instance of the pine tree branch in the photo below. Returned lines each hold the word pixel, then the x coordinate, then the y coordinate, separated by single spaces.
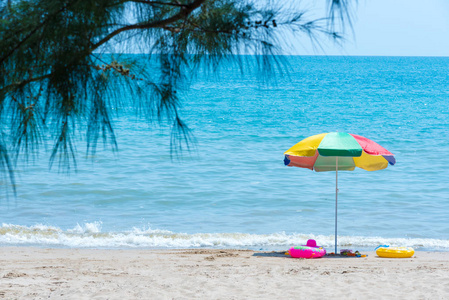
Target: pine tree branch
pixel 2 59
pixel 184 12
pixel 24 82
pixel 158 3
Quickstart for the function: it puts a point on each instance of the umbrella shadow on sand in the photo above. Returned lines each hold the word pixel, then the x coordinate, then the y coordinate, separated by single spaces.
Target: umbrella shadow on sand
pixel 272 254
pixel 282 254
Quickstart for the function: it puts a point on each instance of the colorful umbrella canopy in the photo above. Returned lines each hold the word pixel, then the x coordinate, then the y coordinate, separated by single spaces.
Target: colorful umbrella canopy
pixel 335 151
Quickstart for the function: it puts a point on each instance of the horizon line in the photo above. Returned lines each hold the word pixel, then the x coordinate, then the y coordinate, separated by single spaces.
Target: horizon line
pixel 308 55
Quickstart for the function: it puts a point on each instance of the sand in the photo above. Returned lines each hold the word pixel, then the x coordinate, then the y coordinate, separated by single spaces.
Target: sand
pixel 35 273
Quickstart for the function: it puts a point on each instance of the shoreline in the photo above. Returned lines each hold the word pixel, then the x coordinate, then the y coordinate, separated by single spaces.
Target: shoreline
pixel 28 272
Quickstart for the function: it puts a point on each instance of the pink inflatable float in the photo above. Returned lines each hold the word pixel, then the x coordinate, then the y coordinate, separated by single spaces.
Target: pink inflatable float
pixel 311 250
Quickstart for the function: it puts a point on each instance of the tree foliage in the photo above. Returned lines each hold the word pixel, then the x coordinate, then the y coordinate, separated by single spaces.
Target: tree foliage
pixel 57 81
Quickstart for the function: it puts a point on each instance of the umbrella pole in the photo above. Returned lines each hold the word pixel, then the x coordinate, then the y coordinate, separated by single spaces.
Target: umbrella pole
pixel 336 200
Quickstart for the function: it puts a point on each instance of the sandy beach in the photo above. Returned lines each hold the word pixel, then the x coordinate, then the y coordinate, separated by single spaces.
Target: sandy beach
pixel 35 273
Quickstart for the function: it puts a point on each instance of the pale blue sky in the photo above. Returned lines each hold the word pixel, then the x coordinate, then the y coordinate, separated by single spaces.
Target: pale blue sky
pixel 381 28
pixel 395 28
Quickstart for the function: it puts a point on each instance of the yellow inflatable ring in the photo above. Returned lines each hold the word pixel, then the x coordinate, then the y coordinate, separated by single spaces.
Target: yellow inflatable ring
pixel 395 252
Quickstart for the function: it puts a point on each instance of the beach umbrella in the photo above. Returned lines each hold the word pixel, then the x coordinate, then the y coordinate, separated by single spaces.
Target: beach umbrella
pixel 338 151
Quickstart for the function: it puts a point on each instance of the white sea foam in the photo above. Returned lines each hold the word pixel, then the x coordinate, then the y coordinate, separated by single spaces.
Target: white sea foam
pixel 94 227
pixel 89 235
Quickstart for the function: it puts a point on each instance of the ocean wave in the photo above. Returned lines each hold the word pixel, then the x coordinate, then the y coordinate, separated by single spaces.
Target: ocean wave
pixel 89 235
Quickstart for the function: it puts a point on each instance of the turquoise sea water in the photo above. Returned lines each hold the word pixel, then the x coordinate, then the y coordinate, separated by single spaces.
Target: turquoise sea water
pixel 233 189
